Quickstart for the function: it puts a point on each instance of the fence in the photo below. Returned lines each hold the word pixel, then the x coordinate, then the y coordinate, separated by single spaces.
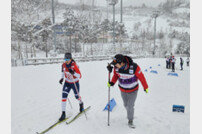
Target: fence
pixel 41 61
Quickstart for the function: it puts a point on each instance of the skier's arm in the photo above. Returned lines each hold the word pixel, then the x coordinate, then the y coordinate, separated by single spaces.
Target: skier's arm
pixel 77 72
pixel 62 73
pixel 115 77
pixel 62 76
pixel 141 77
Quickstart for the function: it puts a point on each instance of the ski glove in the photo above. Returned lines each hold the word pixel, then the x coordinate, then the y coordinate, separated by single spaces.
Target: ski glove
pixel 109 67
pixel 71 71
pixel 61 80
pixel 146 90
pixel 109 84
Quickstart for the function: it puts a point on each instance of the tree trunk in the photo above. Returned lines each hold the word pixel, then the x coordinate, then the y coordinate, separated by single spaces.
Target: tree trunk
pixel 46 49
pixel 26 51
pixel 19 51
pixel 103 37
pixel 70 38
pixel 83 50
pixel 91 49
pixel 75 44
pixel 31 51
pixel 34 51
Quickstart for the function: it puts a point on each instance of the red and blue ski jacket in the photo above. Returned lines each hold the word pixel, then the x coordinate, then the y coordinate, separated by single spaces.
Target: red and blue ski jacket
pixel 68 75
pixel 128 76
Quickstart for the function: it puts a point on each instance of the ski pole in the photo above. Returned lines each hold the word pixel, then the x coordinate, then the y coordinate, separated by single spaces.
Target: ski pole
pixel 78 95
pixel 108 98
pixel 69 103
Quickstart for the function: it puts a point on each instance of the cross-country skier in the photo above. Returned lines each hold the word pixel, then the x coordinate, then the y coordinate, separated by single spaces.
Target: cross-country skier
pixel 187 60
pixel 170 62
pixel 173 63
pixel 127 73
pixel 181 63
pixel 167 62
pixel 72 75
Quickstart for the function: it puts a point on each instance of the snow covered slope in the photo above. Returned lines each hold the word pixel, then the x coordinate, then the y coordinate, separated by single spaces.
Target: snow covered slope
pixel 36 101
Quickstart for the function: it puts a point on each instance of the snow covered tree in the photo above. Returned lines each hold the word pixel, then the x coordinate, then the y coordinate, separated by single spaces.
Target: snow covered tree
pixel 105 28
pixel 160 34
pixel 183 48
pixel 70 27
pixel 136 26
pixel 144 6
pixel 45 34
pixel 169 5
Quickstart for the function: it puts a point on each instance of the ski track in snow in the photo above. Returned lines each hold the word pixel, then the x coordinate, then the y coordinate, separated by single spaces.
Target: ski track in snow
pixel 36 100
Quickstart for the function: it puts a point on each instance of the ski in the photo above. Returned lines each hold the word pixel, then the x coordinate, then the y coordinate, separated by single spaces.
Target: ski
pixel 52 126
pixel 77 116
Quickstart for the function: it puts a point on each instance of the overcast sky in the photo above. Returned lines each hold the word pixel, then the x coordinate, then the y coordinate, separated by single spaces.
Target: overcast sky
pixel 152 3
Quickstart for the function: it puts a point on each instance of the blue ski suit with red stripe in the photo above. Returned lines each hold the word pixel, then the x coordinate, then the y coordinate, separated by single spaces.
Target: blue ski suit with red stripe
pixel 70 79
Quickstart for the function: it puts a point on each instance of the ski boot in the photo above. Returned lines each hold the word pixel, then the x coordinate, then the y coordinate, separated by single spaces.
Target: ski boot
pixel 63 116
pixel 130 124
pixel 81 107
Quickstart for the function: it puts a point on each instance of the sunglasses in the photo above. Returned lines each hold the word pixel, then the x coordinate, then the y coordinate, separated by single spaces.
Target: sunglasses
pixel 116 61
pixel 67 60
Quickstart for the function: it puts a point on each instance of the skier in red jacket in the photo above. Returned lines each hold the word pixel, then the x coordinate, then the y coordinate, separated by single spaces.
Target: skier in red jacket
pixel 72 75
pixel 127 73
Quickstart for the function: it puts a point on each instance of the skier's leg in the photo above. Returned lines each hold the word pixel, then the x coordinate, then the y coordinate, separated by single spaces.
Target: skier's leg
pixel 173 67
pixel 65 93
pixel 131 102
pixel 76 90
pixel 166 64
pixel 125 99
pixel 77 96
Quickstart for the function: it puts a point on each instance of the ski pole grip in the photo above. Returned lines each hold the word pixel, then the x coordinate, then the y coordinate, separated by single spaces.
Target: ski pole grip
pixel 109 74
pixel 109 67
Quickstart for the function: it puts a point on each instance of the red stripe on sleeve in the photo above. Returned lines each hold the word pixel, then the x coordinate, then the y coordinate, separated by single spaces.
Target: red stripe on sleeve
pixel 76 69
pixel 115 77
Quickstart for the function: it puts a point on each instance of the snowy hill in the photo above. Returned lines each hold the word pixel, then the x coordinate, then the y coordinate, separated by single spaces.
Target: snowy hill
pixel 36 100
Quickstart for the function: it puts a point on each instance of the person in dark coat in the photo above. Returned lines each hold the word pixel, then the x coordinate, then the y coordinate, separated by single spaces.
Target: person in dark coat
pixel 167 62
pixel 127 73
pixel 187 61
pixel 181 63
pixel 173 63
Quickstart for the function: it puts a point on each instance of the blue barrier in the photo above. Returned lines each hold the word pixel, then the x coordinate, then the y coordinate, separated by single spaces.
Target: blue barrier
pixel 154 71
pixel 173 74
pixel 111 106
pixel 178 108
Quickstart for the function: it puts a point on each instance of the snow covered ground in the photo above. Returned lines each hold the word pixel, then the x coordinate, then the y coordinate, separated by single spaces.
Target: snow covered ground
pixel 36 100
